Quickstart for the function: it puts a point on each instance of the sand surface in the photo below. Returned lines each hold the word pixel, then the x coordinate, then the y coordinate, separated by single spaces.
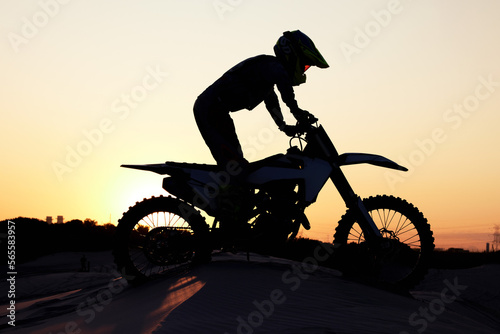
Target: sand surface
pixel 231 295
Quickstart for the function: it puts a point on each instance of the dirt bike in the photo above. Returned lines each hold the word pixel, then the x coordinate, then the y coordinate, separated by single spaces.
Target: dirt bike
pixel 163 235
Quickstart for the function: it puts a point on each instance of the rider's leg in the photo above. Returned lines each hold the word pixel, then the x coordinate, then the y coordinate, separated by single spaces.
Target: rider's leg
pixel 218 131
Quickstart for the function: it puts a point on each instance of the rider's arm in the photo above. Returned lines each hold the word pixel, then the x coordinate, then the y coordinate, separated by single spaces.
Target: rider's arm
pixel 286 92
pixel 282 81
pixel 273 106
pixel 288 97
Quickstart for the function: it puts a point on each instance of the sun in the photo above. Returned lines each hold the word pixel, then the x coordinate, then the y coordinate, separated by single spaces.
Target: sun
pixel 132 189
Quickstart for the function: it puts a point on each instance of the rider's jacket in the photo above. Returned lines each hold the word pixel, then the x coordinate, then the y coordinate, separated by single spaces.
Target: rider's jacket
pixel 249 83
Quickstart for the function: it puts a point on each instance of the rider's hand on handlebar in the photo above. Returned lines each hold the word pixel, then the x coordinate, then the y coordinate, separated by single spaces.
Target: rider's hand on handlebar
pixel 304 117
pixel 290 130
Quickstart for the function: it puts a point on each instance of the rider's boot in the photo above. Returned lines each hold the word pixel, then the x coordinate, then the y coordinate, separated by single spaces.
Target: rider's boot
pixel 232 215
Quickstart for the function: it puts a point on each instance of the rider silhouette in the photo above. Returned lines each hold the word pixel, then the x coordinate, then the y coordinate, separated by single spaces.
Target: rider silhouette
pixel 245 86
pixel 248 84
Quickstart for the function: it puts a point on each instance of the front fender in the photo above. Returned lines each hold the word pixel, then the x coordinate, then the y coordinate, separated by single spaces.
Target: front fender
pixel 364 158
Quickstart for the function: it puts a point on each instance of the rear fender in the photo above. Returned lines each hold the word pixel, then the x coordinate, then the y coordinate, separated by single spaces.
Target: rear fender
pixel 162 169
pixel 176 168
pixel 197 184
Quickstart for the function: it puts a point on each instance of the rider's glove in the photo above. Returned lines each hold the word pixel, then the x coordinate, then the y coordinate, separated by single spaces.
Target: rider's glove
pixel 303 116
pixel 290 130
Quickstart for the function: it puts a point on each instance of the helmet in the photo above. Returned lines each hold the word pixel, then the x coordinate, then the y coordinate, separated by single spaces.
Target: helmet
pixel 297 52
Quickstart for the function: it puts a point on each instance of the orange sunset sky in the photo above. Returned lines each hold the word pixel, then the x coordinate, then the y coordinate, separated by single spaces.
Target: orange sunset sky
pixel 88 85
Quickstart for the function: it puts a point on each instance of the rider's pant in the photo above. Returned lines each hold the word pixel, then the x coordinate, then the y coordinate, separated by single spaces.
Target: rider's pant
pixel 218 131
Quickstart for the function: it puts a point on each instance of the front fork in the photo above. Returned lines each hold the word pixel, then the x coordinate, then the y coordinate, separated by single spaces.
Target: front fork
pixel 354 202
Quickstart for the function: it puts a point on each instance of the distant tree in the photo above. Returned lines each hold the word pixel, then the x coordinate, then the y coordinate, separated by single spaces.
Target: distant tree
pixel 89 223
pixel 74 222
pixel 142 229
pixel 31 234
pixel 108 227
pixel 34 237
pixel 24 220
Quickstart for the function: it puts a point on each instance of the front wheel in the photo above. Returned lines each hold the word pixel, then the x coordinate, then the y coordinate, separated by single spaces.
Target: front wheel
pixel 403 259
pixel 158 236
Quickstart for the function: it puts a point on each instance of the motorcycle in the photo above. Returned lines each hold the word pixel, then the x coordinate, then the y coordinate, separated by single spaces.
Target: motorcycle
pixel 391 240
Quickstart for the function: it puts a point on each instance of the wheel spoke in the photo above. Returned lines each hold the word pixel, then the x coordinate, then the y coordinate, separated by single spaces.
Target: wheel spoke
pixel 380 219
pixel 392 219
pixel 357 236
pixel 403 257
pixel 149 222
pixel 401 224
pixel 154 238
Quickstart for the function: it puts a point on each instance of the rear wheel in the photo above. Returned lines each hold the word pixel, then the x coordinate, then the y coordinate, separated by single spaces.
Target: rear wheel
pixel 158 236
pixel 403 258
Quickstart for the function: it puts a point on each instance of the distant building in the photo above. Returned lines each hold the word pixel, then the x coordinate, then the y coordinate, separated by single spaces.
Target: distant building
pixel 496 239
pixel 49 220
pixel 60 219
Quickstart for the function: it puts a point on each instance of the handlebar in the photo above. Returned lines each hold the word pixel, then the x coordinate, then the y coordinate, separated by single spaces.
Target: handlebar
pixel 301 127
